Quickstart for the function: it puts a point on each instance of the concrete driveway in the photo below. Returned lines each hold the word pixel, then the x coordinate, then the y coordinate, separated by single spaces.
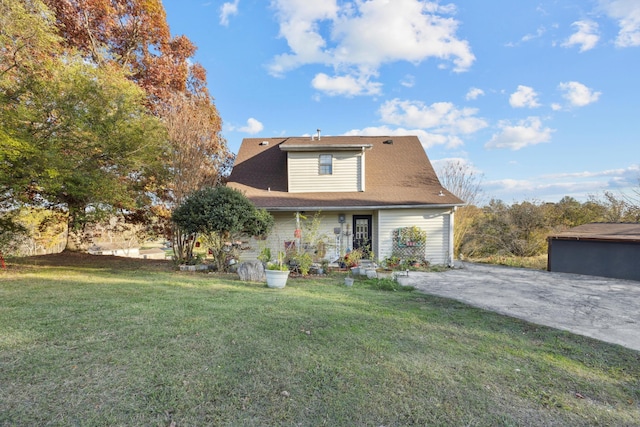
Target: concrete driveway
pixel 597 307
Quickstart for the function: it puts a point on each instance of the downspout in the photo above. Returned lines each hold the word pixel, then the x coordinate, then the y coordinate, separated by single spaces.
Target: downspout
pixel 362 175
pixel 451 236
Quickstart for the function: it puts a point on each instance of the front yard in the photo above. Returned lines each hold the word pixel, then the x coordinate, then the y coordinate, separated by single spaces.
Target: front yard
pixel 132 343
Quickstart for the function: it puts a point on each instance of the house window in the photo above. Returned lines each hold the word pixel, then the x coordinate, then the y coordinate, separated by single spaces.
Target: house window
pixel 326 164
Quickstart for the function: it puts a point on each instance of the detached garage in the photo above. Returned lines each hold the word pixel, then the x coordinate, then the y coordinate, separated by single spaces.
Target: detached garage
pixel 599 249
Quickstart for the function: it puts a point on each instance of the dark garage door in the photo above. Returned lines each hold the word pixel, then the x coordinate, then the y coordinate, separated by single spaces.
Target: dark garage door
pixel 620 260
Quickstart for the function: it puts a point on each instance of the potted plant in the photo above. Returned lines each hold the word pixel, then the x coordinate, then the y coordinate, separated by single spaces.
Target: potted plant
pixel 352 259
pixel 348 281
pixel 265 255
pixel 392 262
pixel 324 266
pixel 277 273
pixel 412 236
pixel 304 261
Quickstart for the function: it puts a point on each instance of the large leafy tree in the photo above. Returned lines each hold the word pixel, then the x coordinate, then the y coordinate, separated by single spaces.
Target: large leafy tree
pixel 75 135
pixel 135 35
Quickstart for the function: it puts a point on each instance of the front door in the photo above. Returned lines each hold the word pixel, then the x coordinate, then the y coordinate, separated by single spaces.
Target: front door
pixel 362 233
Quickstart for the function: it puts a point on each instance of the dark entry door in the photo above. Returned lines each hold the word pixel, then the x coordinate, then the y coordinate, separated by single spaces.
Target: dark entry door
pixel 362 232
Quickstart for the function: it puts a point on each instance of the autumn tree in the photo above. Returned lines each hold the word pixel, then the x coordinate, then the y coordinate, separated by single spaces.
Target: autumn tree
pixel 135 35
pixel 75 136
pixel 198 154
pixel 12 233
pixel 462 180
pixel 569 212
pixel 27 48
pixel 45 228
pixel 516 230
pixel 25 45
pixel 621 207
pixel 633 203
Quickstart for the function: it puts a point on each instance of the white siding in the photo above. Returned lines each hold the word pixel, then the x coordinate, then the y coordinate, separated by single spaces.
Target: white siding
pixel 304 176
pixel 284 229
pixel 434 221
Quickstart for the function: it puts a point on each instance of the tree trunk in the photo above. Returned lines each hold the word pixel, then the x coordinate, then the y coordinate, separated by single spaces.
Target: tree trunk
pixel 182 245
pixel 76 239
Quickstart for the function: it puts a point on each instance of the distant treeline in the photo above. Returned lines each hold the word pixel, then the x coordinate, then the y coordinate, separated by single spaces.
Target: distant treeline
pixel 521 229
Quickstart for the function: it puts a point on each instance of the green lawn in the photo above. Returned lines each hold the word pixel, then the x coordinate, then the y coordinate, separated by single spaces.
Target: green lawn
pixel 131 344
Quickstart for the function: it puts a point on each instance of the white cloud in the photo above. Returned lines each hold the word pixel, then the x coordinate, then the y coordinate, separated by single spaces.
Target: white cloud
pixel 551 187
pixel 630 174
pixel 518 190
pixel 474 93
pixel 627 13
pixel 539 33
pixel 440 123
pixel 426 138
pixel 528 37
pixel 578 94
pixel 408 81
pixel 357 37
pixel 253 126
pixel 440 117
pixel 226 10
pixel 345 85
pixel 522 134
pixel 524 96
pixel 586 35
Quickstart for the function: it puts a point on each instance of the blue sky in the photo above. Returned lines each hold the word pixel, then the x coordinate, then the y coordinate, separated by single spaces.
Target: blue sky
pixel 540 98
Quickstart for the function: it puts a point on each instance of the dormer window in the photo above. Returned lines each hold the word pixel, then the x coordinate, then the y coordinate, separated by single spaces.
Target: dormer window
pixel 326 164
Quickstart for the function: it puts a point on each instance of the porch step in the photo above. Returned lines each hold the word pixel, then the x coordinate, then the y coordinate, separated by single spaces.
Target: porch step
pixel 367 263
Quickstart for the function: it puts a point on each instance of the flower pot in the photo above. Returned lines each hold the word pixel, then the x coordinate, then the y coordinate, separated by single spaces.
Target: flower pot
pixel 276 278
pixel 348 281
pixel 371 274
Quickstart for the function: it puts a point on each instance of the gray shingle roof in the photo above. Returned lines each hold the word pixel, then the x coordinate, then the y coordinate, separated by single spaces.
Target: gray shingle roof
pixel 602 231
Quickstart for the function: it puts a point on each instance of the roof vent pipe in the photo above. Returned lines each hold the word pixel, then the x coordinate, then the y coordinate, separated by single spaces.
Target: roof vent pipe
pixel 318 134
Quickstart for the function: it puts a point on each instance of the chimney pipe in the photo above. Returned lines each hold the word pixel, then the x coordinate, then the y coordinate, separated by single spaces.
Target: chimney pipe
pixel 318 134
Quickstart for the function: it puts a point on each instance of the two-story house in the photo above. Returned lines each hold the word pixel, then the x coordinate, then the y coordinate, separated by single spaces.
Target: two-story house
pixel 366 189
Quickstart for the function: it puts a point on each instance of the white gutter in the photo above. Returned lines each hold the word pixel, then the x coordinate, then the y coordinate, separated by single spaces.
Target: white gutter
pixel 357 207
pixel 325 147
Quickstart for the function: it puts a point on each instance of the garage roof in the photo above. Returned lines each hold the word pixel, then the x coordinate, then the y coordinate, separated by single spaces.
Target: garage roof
pixel 602 231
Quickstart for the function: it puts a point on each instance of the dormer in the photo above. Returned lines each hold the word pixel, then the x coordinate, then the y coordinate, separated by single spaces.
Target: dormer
pixel 329 165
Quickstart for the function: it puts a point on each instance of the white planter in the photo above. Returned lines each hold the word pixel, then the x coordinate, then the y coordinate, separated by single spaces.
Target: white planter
pixel 371 274
pixel 348 281
pixel 276 278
